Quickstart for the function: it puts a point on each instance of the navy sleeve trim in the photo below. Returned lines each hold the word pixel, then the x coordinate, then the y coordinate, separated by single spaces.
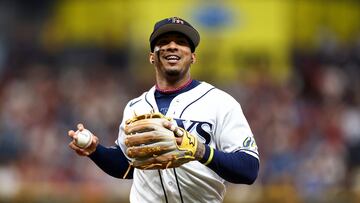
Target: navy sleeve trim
pixel 112 161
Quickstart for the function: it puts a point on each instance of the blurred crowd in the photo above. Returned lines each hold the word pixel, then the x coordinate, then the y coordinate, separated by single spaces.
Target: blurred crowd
pixel 307 127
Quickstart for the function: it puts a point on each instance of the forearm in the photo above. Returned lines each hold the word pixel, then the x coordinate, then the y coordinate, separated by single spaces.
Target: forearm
pixel 112 161
pixel 237 167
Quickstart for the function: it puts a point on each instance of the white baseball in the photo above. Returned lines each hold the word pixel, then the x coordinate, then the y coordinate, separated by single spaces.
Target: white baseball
pixel 84 138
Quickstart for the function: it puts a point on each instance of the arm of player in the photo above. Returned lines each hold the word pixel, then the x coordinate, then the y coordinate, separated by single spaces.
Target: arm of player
pixel 110 159
pixel 235 167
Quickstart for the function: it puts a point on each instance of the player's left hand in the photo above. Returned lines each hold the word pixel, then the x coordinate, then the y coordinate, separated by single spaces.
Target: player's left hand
pixel 154 142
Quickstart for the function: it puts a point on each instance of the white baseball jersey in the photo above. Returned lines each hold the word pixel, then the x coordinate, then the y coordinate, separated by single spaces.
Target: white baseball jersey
pixel 217 119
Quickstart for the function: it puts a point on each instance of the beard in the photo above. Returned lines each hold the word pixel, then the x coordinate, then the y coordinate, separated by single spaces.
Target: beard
pixel 173 73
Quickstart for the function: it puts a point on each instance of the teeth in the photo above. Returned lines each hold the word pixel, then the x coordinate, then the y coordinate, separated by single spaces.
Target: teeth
pixel 172 58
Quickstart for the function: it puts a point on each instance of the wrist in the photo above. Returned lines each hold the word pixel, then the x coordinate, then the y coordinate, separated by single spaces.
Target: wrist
pixel 200 151
pixel 208 155
pixel 95 145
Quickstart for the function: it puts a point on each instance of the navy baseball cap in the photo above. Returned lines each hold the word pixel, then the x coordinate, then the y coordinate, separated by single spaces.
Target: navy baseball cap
pixel 175 24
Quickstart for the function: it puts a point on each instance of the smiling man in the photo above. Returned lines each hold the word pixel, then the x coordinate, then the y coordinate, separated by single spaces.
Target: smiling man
pixel 210 141
pixel 172 58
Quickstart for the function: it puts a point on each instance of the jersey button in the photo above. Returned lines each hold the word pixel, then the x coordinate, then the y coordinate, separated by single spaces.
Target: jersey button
pixel 170 183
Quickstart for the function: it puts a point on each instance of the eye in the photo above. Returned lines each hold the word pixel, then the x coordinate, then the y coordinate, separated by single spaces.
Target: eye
pixel 182 42
pixel 162 42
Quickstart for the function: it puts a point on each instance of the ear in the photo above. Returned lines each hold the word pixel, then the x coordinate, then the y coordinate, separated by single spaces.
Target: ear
pixel 193 58
pixel 151 58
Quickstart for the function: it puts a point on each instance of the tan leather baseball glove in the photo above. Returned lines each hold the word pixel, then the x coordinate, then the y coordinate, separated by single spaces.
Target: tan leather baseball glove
pixel 154 142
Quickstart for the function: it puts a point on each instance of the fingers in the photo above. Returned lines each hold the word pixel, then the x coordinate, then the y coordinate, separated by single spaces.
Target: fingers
pixel 178 140
pixel 71 134
pixel 177 131
pixel 80 127
pixel 78 150
pixel 85 151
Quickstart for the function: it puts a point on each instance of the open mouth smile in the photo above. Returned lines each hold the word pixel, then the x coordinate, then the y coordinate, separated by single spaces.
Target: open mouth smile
pixel 172 58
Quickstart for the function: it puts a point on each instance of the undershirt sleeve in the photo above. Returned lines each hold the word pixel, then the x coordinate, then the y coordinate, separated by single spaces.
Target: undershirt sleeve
pixel 112 161
pixel 235 167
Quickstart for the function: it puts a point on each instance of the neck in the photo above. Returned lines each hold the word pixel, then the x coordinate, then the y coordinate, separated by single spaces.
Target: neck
pixel 170 88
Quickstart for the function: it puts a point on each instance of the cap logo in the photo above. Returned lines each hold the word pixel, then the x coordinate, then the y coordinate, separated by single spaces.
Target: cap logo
pixel 176 20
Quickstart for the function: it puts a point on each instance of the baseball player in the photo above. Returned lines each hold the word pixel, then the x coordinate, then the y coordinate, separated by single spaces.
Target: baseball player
pixel 181 140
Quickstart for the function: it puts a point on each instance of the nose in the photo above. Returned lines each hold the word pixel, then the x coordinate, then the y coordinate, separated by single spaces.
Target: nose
pixel 172 45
